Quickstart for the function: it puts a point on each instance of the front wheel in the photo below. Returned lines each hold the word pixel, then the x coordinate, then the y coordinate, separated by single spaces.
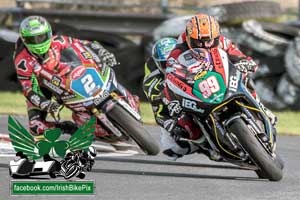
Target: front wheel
pixel 268 166
pixel 134 129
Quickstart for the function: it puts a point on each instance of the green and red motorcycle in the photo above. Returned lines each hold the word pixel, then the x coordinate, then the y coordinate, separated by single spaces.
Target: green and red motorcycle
pixel 91 91
pixel 208 88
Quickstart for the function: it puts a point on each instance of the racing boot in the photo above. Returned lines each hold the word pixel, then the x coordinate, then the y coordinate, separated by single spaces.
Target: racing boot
pixel 195 133
pixel 174 148
pixel 176 135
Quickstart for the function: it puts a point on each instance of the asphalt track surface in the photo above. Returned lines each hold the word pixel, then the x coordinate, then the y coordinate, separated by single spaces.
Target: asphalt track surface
pixel 192 177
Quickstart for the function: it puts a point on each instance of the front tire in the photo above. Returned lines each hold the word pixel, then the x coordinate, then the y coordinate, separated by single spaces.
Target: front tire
pixel 268 167
pixel 134 129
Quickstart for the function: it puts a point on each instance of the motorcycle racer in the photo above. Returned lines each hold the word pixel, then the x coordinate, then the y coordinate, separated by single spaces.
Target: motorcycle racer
pixel 202 31
pixel 153 86
pixel 38 49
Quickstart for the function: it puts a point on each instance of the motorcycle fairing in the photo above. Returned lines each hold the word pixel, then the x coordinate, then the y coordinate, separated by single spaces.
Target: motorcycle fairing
pixel 210 88
pixel 88 83
pixel 179 87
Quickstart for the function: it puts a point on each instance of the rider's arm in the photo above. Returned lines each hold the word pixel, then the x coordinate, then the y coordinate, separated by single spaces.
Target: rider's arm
pixel 153 80
pixel 236 56
pixel 25 65
pixel 232 50
pixel 172 64
pixel 99 53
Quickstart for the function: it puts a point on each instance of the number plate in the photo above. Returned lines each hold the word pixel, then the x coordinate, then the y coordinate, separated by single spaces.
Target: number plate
pixel 88 83
pixel 210 88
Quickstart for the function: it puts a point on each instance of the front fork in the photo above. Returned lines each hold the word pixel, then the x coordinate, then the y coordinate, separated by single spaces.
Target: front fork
pixel 101 110
pixel 106 123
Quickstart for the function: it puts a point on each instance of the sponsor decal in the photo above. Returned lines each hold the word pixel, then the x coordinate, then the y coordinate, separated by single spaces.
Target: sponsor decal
pixel 188 56
pixel 174 108
pixel 87 103
pixel 186 103
pixel 100 98
pixel 52 87
pixel 68 96
pixel 20 77
pixel 233 83
pixel 178 82
pixel 78 72
pixel 56 81
pixel 79 47
pixel 218 63
pixel 200 75
pixel 125 105
pixel 44 104
pixel 93 55
pixel 171 61
pixel 216 58
pixel 190 62
pixel 35 99
pixel 37 67
pixel 46 74
pixel 189 28
pixel 87 55
pixel 165 101
pixel 96 45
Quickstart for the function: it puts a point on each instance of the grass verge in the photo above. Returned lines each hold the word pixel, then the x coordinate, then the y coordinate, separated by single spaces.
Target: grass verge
pixel 14 104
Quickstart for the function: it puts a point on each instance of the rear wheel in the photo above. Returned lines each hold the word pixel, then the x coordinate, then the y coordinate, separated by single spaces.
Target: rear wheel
pixel 134 129
pixel 269 168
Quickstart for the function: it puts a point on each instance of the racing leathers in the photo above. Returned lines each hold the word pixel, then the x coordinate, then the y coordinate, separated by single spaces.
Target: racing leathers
pixel 153 86
pixel 182 54
pixel 63 52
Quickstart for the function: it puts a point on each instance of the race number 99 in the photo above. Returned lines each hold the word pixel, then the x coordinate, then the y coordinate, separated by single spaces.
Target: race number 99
pixel 209 86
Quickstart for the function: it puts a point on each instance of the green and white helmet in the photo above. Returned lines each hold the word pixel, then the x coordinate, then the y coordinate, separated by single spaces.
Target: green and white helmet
pixel 36 34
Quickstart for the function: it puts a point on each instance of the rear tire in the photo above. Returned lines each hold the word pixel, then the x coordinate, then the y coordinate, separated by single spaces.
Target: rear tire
pixel 268 167
pixel 134 129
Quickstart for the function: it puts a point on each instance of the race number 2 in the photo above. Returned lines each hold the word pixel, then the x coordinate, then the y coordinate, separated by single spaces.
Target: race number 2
pixel 209 86
pixel 88 83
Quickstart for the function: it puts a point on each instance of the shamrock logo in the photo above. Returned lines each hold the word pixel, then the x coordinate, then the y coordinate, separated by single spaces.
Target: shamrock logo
pixel 23 141
pixel 50 142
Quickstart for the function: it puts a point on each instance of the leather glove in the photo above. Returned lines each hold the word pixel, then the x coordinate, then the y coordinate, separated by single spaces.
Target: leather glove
pixel 49 106
pixel 107 58
pixel 169 124
pixel 245 66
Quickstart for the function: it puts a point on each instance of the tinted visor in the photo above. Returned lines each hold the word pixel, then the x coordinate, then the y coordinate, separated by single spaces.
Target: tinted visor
pixel 37 39
pixel 203 42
